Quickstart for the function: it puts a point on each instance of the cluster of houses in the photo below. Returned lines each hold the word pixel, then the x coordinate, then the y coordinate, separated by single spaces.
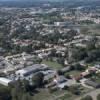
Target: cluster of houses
pixel 22 66
pixel 84 79
pixel 28 72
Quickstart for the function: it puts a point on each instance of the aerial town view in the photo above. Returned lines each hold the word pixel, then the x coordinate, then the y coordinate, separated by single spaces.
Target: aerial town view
pixel 49 49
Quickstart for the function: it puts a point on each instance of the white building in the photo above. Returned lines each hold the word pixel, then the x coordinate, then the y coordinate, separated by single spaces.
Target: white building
pixel 5 81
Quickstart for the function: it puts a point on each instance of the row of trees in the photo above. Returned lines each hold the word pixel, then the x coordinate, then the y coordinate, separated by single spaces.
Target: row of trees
pixel 22 89
pixel 54 37
pixel 89 54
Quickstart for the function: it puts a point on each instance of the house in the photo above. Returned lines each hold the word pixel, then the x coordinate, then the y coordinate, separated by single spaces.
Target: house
pixel 84 74
pixel 97 66
pixel 43 55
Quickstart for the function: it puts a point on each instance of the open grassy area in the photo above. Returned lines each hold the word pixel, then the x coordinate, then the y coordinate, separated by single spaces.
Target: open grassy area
pixel 57 95
pixel 93 29
pixel 52 64
pixel 66 97
pixel 74 73
pixel 44 94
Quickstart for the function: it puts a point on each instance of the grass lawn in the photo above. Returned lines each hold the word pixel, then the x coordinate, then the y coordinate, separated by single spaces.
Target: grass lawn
pixel 43 95
pixel 93 29
pixel 52 64
pixel 74 73
pixel 65 97
pixel 57 95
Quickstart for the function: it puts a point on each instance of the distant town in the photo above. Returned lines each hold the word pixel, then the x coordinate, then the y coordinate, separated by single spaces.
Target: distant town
pixel 50 52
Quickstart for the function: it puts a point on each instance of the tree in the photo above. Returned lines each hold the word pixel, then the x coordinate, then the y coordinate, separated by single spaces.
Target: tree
pixel 21 90
pixel 5 93
pixel 17 92
pixel 79 67
pixel 53 53
pixel 38 79
pixel 76 54
pixel 91 45
pixel 98 97
pixel 26 97
pixel 59 72
pixel 75 90
pixel 87 98
pixel 16 95
pixel 93 55
pixel 26 85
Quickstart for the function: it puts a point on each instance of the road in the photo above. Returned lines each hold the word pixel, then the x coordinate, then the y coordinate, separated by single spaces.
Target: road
pixel 92 93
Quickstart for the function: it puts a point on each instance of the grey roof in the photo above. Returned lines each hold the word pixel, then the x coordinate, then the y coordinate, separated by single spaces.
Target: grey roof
pixel 92 83
pixel 31 69
pixel 62 82
pixel 60 79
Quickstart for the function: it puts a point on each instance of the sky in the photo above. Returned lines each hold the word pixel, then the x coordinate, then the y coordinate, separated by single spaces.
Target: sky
pixel 43 0
pixel 34 0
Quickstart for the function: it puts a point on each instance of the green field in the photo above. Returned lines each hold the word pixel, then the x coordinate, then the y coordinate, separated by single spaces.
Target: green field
pixel 65 97
pixel 74 73
pixel 44 94
pixel 92 29
pixel 52 64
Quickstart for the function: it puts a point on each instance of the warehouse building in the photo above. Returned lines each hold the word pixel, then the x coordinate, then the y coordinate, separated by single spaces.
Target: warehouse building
pixel 30 70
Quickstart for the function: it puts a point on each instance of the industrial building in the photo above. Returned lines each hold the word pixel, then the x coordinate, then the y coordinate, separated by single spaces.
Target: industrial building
pixel 30 70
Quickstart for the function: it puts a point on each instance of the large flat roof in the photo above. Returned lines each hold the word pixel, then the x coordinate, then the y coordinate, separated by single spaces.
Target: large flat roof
pixel 5 80
pixel 30 68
